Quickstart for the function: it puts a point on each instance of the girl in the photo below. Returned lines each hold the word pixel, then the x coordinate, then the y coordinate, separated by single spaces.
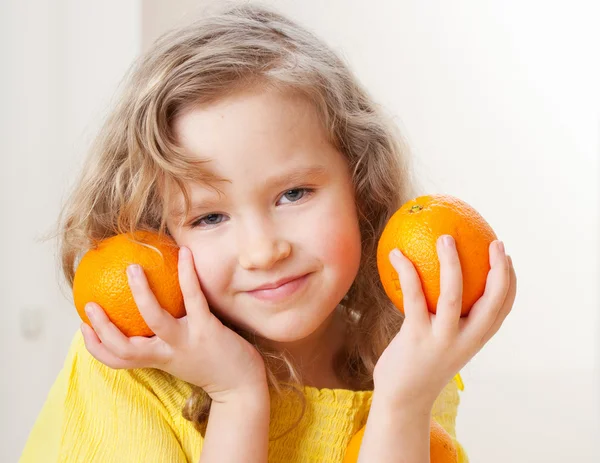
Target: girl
pixel 251 143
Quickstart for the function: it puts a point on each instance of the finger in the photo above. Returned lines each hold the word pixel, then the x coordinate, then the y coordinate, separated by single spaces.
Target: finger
pixel 196 305
pixel 161 322
pixel 506 307
pixel 415 305
pixel 449 304
pixel 114 348
pixel 99 351
pixel 486 309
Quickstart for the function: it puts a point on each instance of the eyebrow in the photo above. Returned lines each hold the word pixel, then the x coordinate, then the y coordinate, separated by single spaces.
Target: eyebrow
pixel 298 175
pixel 313 173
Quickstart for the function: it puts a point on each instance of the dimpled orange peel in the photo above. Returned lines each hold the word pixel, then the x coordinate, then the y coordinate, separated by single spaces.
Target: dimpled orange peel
pixel 101 278
pixel 414 230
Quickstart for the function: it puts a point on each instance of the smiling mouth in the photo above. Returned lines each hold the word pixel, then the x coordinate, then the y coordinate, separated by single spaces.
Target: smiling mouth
pixel 277 284
pixel 282 291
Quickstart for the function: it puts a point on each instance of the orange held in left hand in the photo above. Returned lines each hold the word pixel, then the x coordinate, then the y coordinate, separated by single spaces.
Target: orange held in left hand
pixel 415 228
pixel 437 338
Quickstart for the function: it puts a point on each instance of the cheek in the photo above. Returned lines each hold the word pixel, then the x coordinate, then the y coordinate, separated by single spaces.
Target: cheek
pixel 210 274
pixel 338 241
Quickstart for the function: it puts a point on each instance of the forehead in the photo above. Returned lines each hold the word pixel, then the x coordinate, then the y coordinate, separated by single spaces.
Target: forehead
pixel 252 132
pixel 262 120
pixel 254 137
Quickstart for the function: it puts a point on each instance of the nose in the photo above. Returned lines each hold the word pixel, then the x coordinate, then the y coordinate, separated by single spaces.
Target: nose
pixel 260 249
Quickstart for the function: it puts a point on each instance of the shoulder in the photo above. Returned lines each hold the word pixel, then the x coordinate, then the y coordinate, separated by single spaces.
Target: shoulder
pixel 96 413
pixel 90 378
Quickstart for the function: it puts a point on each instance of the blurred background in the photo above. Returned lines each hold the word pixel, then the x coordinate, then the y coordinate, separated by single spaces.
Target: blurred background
pixel 499 101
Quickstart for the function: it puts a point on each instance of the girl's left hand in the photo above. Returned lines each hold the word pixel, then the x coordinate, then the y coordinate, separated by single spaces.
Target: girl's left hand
pixel 430 349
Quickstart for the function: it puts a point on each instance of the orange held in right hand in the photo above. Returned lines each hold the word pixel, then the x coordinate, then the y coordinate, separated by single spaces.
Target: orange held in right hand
pixel 195 347
pixel 441 446
pixel 101 277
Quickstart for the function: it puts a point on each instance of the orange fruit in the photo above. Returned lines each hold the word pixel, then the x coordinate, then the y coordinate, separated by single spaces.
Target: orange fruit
pixel 414 230
pixel 101 278
pixel 354 447
pixel 441 446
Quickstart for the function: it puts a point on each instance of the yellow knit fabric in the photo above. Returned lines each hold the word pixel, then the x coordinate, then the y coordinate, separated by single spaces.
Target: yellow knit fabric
pixel 96 414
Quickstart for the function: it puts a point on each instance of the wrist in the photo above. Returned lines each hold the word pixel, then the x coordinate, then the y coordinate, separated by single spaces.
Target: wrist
pixel 238 428
pixel 248 408
pixel 411 407
pixel 257 394
pixel 396 431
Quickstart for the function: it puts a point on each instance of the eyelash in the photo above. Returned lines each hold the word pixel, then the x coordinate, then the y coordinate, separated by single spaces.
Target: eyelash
pixel 307 192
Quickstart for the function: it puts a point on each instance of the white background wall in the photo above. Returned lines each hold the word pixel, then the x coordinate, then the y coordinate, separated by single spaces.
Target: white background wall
pixel 500 103
pixel 61 61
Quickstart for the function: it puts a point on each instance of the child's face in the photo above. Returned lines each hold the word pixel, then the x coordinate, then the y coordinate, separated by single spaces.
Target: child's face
pixel 259 232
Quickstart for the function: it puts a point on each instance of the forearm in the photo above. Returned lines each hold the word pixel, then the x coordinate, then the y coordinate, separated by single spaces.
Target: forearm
pixel 238 430
pixel 396 434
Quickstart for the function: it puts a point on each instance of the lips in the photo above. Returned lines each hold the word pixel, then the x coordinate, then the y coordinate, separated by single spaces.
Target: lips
pixel 285 289
pixel 277 283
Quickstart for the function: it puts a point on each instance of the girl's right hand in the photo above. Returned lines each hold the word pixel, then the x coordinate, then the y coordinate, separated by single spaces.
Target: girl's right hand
pixel 196 348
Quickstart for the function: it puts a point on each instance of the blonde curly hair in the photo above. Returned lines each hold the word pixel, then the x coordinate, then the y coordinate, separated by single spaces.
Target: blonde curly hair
pixel 134 160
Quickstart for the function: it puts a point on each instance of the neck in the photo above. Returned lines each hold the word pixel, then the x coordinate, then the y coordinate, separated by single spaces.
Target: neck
pixel 315 355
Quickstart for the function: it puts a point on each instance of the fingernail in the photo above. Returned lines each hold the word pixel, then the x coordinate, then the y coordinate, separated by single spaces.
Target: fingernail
pixel 447 241
pixel 501 247
pixel 90 311
pixel 134 271
pixel 395 255
pixel 182 252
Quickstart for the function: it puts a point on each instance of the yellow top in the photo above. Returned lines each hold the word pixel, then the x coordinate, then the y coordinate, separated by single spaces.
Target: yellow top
pixel 96 414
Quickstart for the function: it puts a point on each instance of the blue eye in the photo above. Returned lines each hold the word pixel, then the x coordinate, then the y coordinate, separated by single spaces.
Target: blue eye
pixel 207 220
pixel 293 196
pixel 297 193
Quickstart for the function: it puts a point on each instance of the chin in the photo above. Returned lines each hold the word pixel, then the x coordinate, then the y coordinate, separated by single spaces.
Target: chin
pixel 284 327
pixel 288 327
